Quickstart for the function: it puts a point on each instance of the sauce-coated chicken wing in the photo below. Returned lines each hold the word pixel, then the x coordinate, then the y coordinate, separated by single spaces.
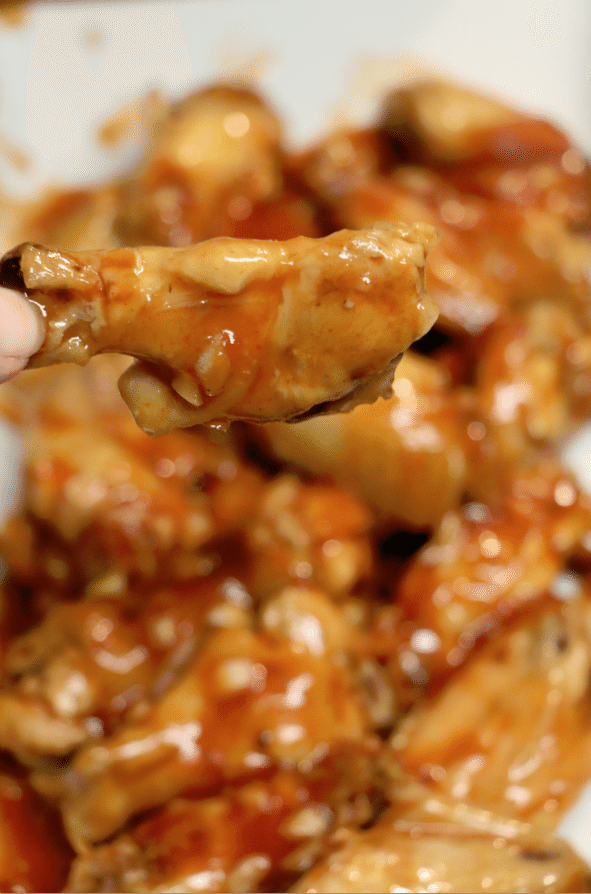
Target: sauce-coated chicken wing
pixel 348 654
pixel 236 329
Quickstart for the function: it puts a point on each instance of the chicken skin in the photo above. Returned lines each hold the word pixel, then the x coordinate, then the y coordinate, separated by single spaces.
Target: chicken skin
pixel 236 329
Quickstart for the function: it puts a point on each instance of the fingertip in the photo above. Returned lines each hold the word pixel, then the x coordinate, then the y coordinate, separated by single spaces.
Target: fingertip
pixel 22 330
pixel 11 366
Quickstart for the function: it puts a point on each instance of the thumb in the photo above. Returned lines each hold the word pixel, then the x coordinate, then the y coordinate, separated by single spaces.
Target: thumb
pixel 21 332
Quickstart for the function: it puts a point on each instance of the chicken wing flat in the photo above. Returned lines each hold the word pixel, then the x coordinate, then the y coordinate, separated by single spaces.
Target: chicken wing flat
pixel 236 329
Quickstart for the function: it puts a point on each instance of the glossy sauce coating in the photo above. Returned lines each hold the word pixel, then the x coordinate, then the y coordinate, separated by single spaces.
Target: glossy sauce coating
pixel 237 329
pixel 350 654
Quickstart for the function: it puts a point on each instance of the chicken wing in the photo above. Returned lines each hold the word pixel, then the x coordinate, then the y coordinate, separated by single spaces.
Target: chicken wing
pixel 509 732
pixel 236 329
pixel 447 856
pixel 394 454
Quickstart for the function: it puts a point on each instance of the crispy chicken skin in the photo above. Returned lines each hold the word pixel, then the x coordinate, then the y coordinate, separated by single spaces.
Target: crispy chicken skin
pixel 236 329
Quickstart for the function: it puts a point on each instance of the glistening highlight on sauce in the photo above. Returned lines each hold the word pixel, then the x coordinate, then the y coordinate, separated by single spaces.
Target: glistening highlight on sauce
pixel 349 653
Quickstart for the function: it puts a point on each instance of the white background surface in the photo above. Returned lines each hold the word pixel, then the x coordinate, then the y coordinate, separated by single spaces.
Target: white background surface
pixel 313 57
pixel 319 60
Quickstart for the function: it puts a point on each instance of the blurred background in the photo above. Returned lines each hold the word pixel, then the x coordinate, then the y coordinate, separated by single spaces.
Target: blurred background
pixel 69 64
pixel 66 67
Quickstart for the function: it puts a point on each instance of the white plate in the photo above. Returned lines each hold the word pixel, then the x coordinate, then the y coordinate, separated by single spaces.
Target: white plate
pixel 320 61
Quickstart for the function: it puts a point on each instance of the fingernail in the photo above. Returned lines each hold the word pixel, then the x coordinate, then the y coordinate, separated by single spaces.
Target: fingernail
pixel 21 328
pixel 10 366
